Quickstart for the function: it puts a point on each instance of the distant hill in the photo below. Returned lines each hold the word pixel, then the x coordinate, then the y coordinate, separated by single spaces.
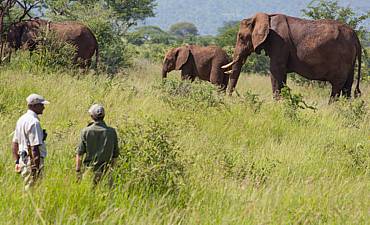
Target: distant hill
pixel 209 15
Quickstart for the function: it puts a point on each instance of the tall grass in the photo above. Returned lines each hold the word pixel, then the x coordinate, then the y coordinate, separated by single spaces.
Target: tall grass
pixel 228 160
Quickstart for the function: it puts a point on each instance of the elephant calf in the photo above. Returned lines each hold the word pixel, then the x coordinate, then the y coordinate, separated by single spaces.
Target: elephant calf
pixel 197 61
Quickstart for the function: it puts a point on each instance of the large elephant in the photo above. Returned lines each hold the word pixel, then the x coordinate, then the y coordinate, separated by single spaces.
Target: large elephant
pixel 25 34
pixel 197 61
pixel 324 50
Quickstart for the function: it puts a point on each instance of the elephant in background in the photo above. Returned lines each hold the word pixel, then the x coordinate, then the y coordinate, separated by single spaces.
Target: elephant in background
pixel 197 61
pixel 24 34
pixel 324 50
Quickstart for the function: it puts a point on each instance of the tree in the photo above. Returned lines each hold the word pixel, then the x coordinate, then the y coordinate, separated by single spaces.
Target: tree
pixel 183 29
pixel 227 34
pixel 150 34
pixel 124 14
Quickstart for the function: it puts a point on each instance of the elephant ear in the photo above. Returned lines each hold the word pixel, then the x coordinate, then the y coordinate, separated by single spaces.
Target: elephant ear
pixel 182 56
pixel 261 29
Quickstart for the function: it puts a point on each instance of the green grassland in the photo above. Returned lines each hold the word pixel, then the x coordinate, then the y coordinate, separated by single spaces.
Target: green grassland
pixel 191 155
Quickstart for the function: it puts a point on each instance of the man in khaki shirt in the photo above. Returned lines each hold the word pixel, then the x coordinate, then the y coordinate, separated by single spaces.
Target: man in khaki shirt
pixel 100 144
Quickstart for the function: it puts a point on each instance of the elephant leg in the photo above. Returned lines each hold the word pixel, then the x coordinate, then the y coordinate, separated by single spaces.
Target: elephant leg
pixel 278 68
pixel 278 80
pixel 217 77
pixel 346 90
pixel 186 76
pixel 187 73
pixel 336 88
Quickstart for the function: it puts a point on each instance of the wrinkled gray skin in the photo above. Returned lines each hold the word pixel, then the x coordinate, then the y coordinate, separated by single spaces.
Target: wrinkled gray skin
pixel 24 34
pixel 196 61
pixel 324 50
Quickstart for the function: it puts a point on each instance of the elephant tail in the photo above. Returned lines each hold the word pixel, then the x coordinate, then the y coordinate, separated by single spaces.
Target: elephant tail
pixel 359 54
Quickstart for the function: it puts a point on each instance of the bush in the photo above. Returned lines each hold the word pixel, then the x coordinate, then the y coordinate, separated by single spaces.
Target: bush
pixel 252 101
pixel 293 102
pixel 150 157
pixel 51 55
pixel 354 112
pixel 152 52
pixel 185 95
pixel 249 171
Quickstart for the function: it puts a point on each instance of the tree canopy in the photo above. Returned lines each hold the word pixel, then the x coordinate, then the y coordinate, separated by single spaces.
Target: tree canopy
pixel 183 29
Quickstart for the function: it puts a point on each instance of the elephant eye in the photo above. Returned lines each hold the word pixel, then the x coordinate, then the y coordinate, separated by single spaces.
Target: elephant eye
pixel 242 37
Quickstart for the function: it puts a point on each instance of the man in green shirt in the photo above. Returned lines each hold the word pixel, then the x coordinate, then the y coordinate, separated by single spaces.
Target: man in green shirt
pixel 100 144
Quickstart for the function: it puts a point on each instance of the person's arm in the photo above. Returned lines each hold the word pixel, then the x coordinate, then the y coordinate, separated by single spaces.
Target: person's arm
pixel 81 150
pixel 35 136
pixel 115 150
pixel 15 150
pixel 36 157
pixel 78 162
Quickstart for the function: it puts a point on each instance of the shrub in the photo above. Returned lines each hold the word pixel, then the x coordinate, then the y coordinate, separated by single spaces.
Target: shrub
pixel 252 101
pixel 152 52
pixel 185 95
pixel 51 55
pixel 248 171
pixel 150 157
pixel 293 102
pixel 301 81
pixel 354 112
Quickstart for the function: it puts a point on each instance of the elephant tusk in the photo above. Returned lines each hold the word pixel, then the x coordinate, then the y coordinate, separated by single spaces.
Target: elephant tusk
pixel 228 65
pixel 4 58
pixel 229 72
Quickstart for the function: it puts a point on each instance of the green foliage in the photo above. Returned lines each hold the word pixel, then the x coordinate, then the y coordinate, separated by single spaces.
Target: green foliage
pixel 247 170
pixel 123 14
pixel 359 157
pixel 252 101
pixel 293 102
pixel 197 40
pixel 151 52
pixel 149 157
pixel 227 34
pixel 154 35
pixel 355 156
pixel 186 95
pixel 257 63
pixel 354 112
pixel 51 55
pixel 183 29
pixel 239 167
pixel 302 81
pixel 150 35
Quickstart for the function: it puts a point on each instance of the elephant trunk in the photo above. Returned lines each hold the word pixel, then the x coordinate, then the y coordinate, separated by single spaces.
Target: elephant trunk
pixel 164 73
pixel 235 76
